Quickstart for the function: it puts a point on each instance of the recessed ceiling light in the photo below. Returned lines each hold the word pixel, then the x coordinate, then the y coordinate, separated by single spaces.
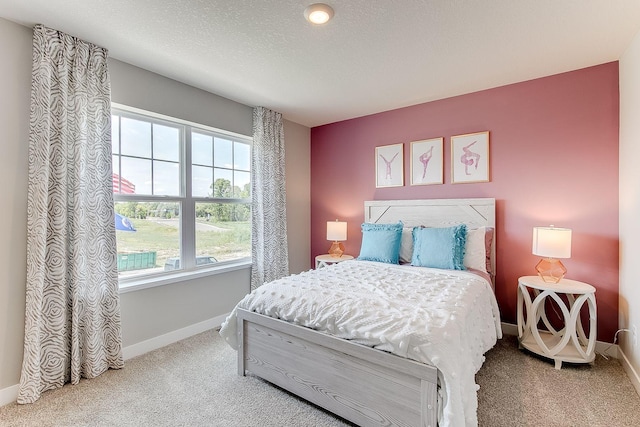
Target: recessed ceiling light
pixel 318 13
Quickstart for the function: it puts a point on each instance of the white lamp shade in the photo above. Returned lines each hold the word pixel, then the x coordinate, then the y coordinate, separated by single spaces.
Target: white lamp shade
pixel 552 242
pixel 336 230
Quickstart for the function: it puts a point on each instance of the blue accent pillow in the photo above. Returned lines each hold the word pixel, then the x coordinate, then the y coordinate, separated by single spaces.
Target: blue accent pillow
pixel 381 242
pixel 439 247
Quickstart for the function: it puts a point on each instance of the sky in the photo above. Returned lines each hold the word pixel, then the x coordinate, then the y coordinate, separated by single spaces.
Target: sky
pixel 154 168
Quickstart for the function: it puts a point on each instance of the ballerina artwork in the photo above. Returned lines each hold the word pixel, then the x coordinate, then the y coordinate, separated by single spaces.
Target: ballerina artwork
pixel 470 155
pixel 389 166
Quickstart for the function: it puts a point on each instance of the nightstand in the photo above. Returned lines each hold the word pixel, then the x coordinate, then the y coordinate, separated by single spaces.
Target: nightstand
pixel 326 259
pixel 569 344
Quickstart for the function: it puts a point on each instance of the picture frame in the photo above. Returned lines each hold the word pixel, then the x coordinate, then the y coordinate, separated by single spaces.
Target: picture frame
pixel 427 161
pixel 390 166
pixel 470 158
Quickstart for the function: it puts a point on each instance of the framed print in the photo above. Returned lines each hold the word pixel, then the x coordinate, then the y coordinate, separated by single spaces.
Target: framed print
pixel 427 161
pixel 389 166
pixel 470 158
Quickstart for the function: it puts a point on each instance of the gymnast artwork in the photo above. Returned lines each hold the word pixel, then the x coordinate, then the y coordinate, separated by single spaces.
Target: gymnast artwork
pixel 470 158
pixel 388 176
pixel 426 162
pixel 389 166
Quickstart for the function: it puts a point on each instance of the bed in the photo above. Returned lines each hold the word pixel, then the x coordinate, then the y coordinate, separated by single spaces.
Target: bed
pixel 366 379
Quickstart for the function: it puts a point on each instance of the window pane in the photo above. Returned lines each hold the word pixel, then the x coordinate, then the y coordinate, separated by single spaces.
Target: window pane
pixel 148 237
pixel 136 137
pixel 115 176
pixel 166 178
pixel 223 231
pixel 241 156
pixel 120 185
pixel 201 181
pixel 201 149
pixel 115 163
pixel 166 143
pixel 147 160
pixel 241 184
pixel 138 173
pixel 222 153
pixel 222 182
pixel 115 134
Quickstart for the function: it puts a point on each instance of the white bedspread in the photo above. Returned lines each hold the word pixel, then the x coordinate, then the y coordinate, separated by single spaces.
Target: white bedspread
pixel 445 318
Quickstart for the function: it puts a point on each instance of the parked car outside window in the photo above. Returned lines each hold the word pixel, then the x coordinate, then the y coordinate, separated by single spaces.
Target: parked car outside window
pixel 173 263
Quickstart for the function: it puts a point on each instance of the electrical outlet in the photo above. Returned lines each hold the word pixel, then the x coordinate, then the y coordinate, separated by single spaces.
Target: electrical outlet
pixel 634 336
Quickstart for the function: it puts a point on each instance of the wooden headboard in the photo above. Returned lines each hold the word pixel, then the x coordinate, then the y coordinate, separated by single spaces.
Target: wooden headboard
pixel 436 213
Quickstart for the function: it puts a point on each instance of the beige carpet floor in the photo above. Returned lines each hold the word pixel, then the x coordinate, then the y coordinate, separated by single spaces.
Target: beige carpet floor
pixel 194 383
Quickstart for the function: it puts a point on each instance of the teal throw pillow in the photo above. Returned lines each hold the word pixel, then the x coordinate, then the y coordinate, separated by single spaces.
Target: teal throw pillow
pixel 439 247
pixel 381 242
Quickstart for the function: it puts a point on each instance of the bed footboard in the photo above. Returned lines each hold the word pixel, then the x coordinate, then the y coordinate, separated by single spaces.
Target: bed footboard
pixel 365 386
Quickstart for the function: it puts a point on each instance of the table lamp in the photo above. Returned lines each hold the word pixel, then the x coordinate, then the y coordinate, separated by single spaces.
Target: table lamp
pixel 551 243
pixel 336 231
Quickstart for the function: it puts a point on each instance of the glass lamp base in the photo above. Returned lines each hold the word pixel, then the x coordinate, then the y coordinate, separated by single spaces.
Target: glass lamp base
pixel 551 270
pixel 336 250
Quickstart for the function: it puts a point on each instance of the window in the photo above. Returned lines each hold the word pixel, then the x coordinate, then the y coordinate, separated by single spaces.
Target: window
pixel 181 192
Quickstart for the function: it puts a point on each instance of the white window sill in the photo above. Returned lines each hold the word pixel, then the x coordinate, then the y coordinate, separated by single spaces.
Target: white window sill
pixel 130 285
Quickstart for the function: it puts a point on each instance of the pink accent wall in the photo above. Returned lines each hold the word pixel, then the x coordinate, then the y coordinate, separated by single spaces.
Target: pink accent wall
pixel 553 160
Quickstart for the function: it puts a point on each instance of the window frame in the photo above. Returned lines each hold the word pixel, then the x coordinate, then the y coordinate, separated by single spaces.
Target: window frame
pixel 187 202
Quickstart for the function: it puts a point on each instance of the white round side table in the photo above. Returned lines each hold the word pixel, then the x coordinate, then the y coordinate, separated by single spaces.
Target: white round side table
pixel 326 260
pixel 569 344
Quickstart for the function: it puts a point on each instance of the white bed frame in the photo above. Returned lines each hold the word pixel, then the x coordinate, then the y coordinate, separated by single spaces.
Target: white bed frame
pixel 365 386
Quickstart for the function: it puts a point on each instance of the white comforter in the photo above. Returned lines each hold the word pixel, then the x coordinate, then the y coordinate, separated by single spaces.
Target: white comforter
pixel 445 318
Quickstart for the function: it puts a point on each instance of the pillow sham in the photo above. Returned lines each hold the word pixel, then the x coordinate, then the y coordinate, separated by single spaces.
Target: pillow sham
pixel 488 244
pixel 406 245
pixel 381 242
pixel 478 249
pixel 439 247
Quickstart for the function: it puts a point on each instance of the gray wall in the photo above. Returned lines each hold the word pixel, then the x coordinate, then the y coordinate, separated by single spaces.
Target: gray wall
pixel 298 176
pixel 140 88
pixel 151 312
pixel 15 86
pixel 629 302
pixel 146 313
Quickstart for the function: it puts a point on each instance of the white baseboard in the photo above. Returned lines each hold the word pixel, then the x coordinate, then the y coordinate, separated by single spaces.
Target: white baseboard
pixel 10 394
pixel 631 372
pixel 601 346
pixel 171 337
pixel 509 329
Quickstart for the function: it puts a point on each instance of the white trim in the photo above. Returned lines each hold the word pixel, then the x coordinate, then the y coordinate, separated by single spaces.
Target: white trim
pixel 607 349
pixel 171 337
pixel 612 350
pixel 149 281
pixel 509 329
pixel 630 371
pixel 9 394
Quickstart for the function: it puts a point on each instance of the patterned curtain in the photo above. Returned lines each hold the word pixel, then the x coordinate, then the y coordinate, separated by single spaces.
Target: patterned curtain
pixel 72 320
pixel 270 257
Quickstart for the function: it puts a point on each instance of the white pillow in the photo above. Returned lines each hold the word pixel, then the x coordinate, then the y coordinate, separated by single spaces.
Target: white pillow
pixel 477 253
pixel 406 246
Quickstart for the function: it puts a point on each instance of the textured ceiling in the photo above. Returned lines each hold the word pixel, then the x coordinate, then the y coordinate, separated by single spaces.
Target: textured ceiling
pixel 375 55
